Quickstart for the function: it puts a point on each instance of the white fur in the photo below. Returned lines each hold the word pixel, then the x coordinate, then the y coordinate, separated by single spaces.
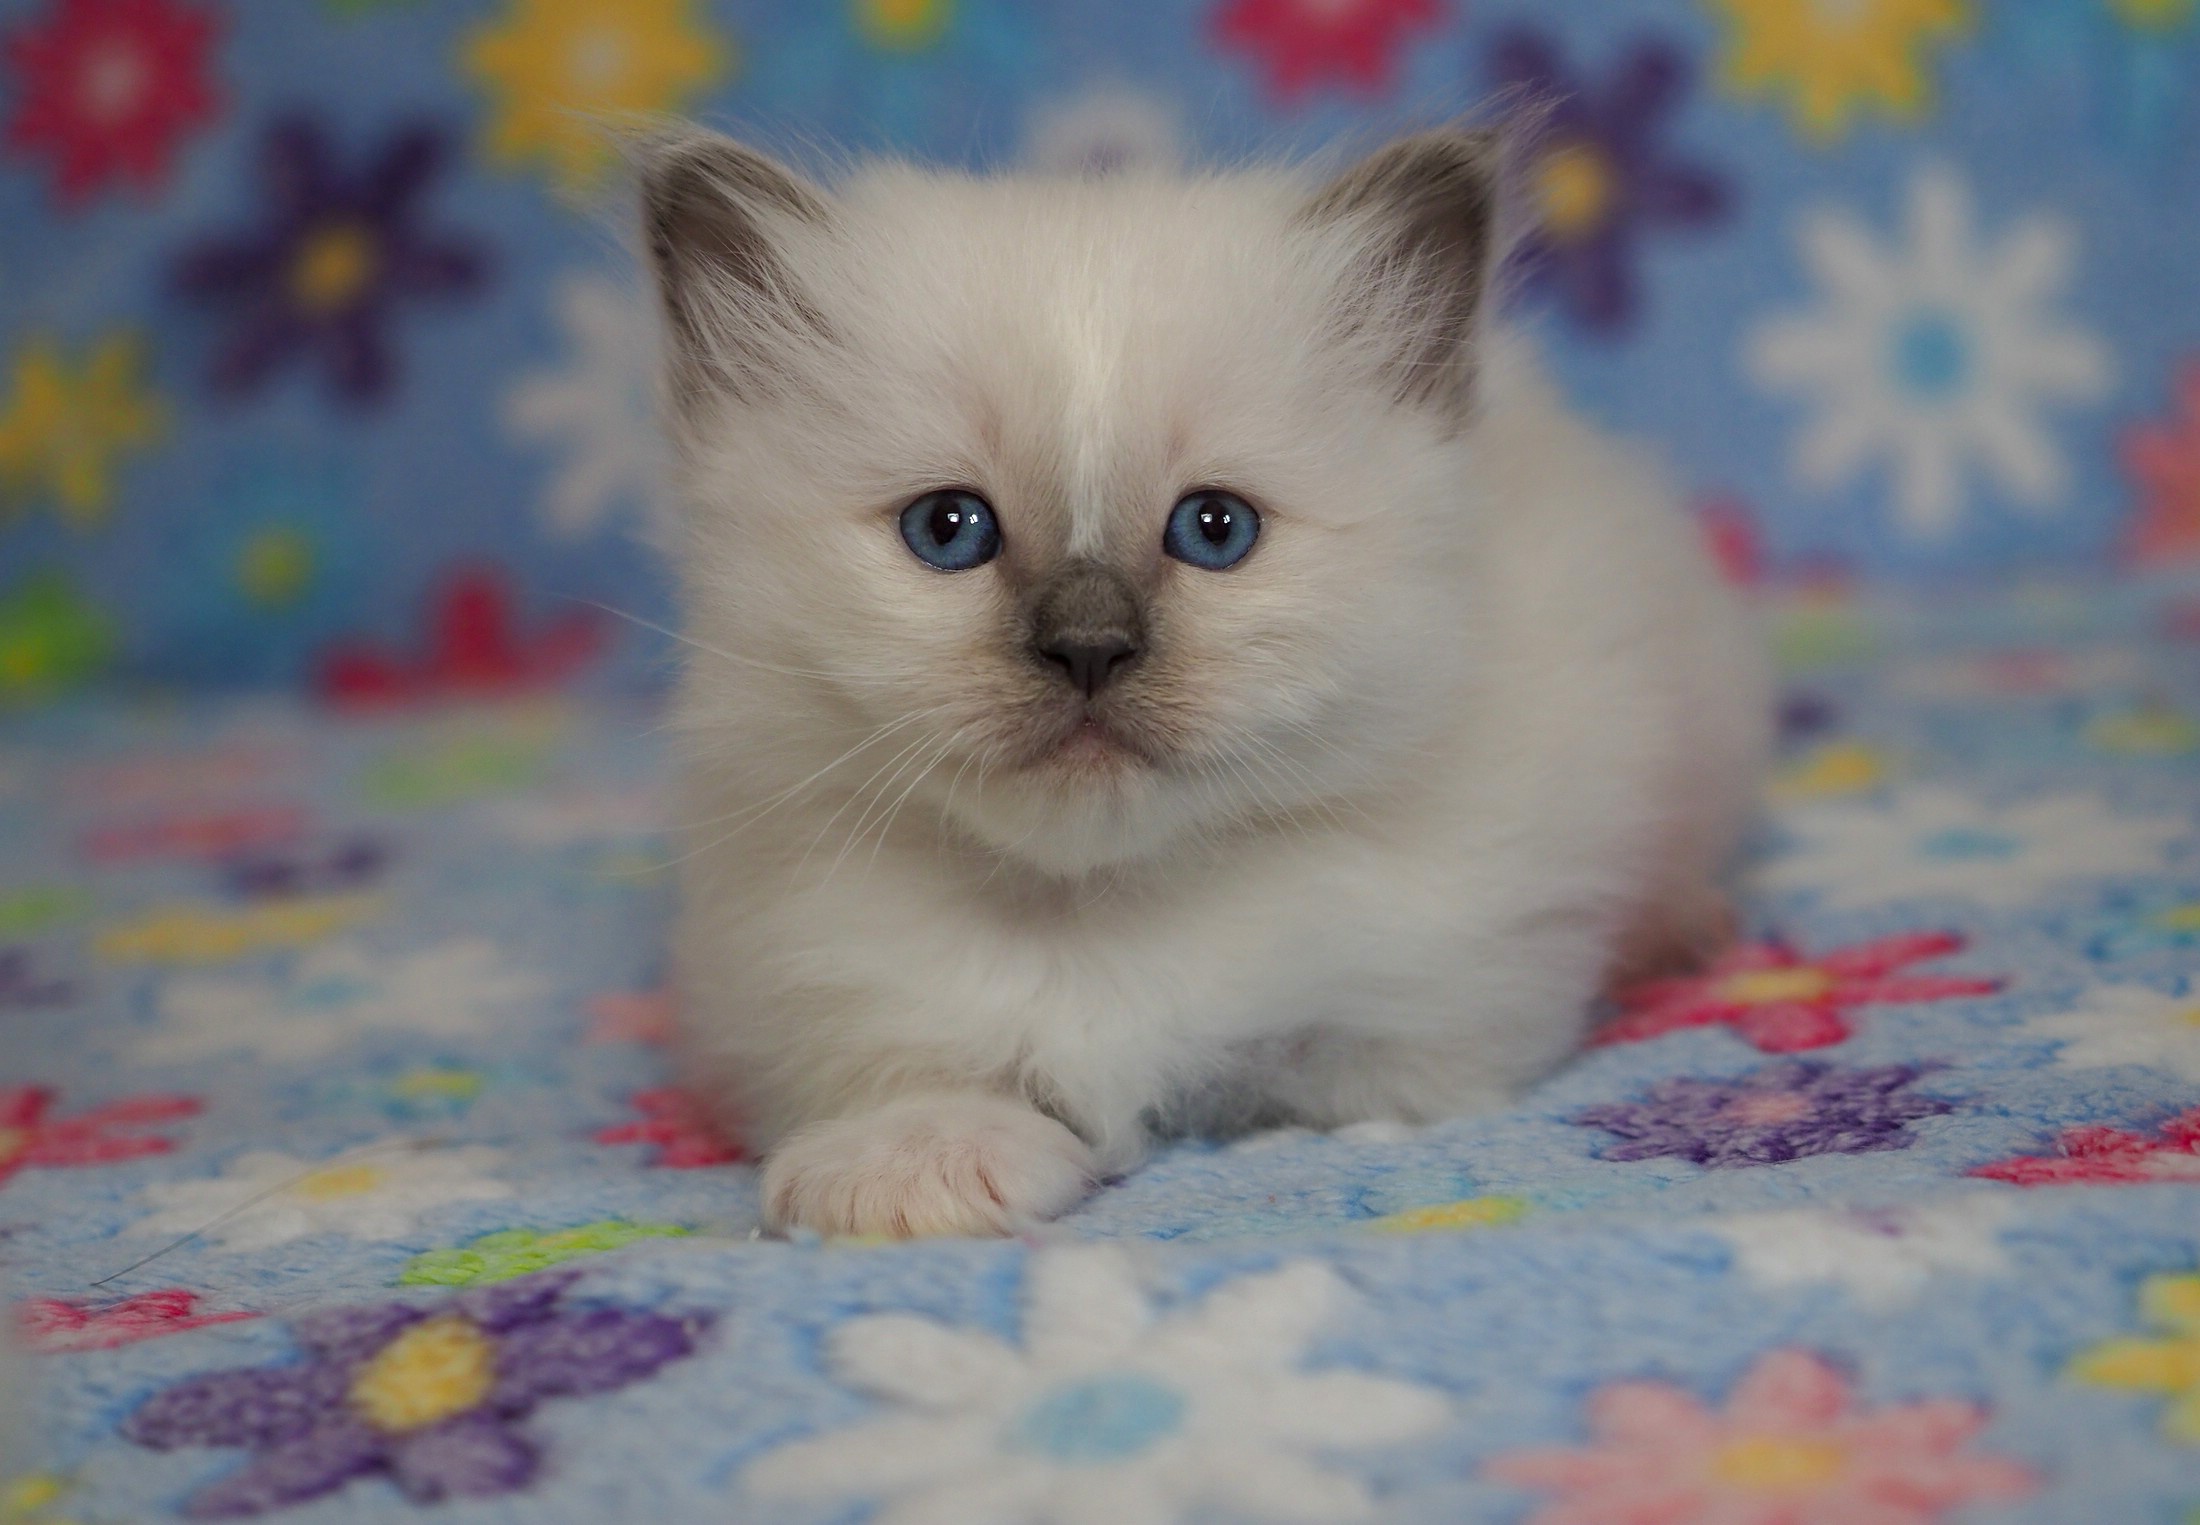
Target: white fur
pixel 1474 724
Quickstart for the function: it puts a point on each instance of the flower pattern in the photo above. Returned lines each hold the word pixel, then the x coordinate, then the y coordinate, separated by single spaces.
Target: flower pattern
pixel 678 1126
pixel 1768 1116
pixel 55 1325
pixel 110 89
pixel 51 639
pixel 432 1397
pixel 1938 844
pixel 2169 1364
pixel 473 648
pixel 32 1138
pixel 22 987
pixel 66 425
pixel 1303 43
pixel 1600 173
pixel 265 1198
pixel 336 255
pixel 1782 1001
pixel 1934 356
pixel 2096 1155
pixel 1157 1415
pixel 554 68
pixel 194 934
pixel 335 995
pixel 1882 1257
pixel 1835 58
pixel 1791 1447
pixel 521 1252
pixel 352 863
pixel 2126 1024
pixel 2163 462
pixel 597 412
pixel 195 834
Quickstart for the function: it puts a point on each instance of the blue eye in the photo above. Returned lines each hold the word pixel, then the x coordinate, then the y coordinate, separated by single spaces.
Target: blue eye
pixel 1213 530
pixel 953 531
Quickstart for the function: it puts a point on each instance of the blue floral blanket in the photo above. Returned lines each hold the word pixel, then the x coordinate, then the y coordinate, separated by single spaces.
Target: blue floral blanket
pixel 343 1176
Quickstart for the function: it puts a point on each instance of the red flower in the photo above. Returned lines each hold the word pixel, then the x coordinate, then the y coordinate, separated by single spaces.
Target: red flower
pixel 2098 1156
pixel 55 1326
pixel 29 1137
pixel 2164 459
pixel 675 1122
pixel 472 649
pixel 215 834
pixel 109 88
pixel 621 1016
pixel 1783 1002
pixel 1304 41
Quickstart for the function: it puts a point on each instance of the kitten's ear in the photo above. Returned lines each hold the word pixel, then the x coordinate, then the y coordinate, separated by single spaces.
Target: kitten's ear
pixel 1428 207
pixel 717 218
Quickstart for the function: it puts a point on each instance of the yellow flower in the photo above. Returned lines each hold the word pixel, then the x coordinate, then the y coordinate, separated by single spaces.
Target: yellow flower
pixel 562 71
pixel 64 424
pixel 2170 1365
pixel 2153 15
pixel 904 25
pixel 196 934
pixel 1473 1212
pixel 1836 769
pixel 2151 731
pixel 30 1500
pixel 1831 57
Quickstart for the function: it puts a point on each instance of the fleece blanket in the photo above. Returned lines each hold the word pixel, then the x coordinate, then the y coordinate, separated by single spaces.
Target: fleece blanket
pixel 343 1176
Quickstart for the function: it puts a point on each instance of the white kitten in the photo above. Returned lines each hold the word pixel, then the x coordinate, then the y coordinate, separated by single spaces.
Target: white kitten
pixel 1318 717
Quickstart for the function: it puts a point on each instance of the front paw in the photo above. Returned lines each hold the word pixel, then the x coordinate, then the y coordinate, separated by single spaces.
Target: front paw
pixel 968 1164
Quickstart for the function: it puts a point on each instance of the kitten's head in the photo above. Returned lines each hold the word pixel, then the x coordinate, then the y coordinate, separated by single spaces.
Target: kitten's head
pixel 1094 515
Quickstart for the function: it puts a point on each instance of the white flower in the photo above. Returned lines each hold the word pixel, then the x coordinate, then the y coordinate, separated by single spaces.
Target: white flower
pixel 335 995
pixel 1928 842
pixel 265 1198
pixel 1934 354
pixel 2127 1024
pixel 1883 1257
pixel 1108 1413
pixel 1103 130
pixel 599 411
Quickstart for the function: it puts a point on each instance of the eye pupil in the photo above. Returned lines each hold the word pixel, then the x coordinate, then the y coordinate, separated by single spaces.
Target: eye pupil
pixel 1212 530
pixel 951 530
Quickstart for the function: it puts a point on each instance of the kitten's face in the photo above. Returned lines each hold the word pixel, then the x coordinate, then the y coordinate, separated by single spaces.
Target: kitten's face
pixel 937 542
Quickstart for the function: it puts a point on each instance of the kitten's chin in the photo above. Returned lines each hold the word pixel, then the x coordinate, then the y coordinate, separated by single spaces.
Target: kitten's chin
pixel 1089 803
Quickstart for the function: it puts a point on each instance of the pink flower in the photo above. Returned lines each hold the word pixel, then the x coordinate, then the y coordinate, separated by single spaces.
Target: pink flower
pixel 1782 1002
pixel 641 1016
pixel 2164 461
pixel 2097 1156
pixel 55 1326
pixel 1304 41
pixel 676 1123
pixel 1788 1449
pixel 30 1137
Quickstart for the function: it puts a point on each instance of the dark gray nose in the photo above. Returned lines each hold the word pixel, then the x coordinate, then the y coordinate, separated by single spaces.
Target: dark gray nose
pixel 1086 624
pixel 1090 664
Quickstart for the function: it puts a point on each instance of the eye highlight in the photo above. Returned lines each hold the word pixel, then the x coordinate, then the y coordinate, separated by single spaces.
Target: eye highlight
pixel 1211 530
pixel 951 530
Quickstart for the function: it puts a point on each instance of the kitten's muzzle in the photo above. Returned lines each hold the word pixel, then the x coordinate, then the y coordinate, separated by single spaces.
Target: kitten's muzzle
pixel 1087 626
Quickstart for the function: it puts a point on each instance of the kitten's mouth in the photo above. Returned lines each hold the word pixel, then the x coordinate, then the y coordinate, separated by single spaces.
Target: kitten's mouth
pixel 1091 742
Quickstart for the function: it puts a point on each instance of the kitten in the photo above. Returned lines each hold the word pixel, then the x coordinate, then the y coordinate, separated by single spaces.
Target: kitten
pixel 1156 662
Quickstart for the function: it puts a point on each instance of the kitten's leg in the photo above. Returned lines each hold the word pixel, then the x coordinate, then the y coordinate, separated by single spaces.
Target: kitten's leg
pixel 932 1163
pixel 1675 934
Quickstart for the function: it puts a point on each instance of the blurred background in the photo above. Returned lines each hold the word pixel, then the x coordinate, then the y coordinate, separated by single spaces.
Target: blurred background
pixel 323 361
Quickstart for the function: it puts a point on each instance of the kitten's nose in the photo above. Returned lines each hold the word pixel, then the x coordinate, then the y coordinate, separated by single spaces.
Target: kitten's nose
pixel 1091 663
pixel 1087 623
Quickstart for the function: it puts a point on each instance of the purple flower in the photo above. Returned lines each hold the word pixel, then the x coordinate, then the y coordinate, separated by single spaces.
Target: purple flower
pixel 427 1395
pixel 1774 1113
pixel 20 987
pixel 332 258
pixel 1599 174
pixel 348 865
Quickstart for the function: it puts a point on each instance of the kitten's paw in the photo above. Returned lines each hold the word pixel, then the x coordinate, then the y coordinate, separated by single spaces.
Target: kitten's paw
pixel 927 1165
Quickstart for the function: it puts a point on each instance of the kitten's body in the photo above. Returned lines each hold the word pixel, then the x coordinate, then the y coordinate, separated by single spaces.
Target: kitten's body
pixel 1365 827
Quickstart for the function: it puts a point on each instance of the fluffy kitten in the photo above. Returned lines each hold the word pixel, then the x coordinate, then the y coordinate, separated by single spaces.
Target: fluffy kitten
pixel 1155 662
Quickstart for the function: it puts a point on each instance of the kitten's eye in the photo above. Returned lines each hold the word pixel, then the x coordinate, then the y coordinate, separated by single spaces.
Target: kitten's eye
pixel 1213 530
pixel 953 531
